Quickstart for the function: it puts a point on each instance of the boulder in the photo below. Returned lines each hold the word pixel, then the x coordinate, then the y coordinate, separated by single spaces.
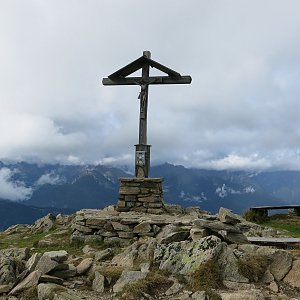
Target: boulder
pixel 145 267
pixel 293 276
pixel 116 241
pixel 126 278
pixel 120 227
pixel 234 238
pixel 273 286
pixel 104 255
pixel 227 216
pixel 45 264
pixel 87 249
pixel 44 224
pixel 127 258
pixel 281 264
pixel 166 231
pixel 5 288
pixel 174 209
pixel 58 256
pixel 238 285
pixel 229 266
pixel 199 233
pixel 200 295
pixel 32 261
pixel 194 211
pixel 17 253
pixel 7 270
pixel 93 239
pixel 31 280
pixel 175 237
pixel 174 289
pixel 141 251
pixel 18 228
pixel 84 266
pixel 267 277
pixel 98 282
pixel 146 249
pixel 71 271
pixel 143 227
pixel 216 226
pixel 53 291
pixel 252 294
pixel 185 257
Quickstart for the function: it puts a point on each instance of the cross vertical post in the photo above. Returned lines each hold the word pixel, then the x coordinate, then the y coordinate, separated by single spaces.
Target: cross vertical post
pixel 142 150
pixel 120 77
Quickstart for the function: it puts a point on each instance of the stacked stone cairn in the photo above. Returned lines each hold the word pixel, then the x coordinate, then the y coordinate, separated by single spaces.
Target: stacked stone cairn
pixel 114 227
pixel 141 195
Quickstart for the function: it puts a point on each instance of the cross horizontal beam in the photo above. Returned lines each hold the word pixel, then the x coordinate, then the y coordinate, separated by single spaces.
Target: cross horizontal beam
pixel 138 64
pixel 150 80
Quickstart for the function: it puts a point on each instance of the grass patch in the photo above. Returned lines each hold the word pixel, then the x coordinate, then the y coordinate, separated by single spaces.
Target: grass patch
pixel 111 272
pixel 154 284
pixel 206 277
pixel 30 294
pixel 213 295
pixel 20 241
pixel 27 240
pixel 285 222
pixel 255 216
pixel 253 267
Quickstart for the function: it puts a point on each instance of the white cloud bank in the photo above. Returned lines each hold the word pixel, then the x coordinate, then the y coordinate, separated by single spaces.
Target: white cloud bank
pixel 49 178
pixel 241 110
pixel 12 190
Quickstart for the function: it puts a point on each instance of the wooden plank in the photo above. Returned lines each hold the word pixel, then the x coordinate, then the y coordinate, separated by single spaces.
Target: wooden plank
pixel 273 240
pixel 170 72
pixel 275 207
pixel 129 69
pixel 138 64
pixel 151 80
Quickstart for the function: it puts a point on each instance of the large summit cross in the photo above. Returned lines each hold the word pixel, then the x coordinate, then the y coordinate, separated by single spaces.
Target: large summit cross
pixel 142 157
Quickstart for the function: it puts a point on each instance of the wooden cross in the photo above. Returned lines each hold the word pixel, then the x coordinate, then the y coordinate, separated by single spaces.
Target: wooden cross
pixel 142 157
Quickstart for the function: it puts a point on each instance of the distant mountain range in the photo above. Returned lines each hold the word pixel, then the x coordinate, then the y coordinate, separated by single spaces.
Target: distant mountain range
pixel 17 213
pixel 59 188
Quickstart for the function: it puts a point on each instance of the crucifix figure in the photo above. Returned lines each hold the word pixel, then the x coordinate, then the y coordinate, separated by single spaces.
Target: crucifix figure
pixel 142 152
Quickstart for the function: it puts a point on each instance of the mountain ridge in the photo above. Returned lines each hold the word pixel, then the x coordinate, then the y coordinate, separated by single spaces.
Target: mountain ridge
pixel 86 186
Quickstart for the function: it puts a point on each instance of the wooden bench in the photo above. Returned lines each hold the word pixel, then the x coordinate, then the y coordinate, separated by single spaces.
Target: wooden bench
pixel 263 210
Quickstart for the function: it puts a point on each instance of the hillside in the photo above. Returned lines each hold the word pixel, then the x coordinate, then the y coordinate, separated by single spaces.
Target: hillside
pixel 181 254
pixel 16 213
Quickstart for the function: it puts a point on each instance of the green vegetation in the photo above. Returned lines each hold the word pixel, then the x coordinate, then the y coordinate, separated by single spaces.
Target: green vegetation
pixel 154 284
pixel 20 240
pixel 255 216
pixel 30 294
pixel 286 222
pixel 253 267
pixel 54 240
pixel 206 278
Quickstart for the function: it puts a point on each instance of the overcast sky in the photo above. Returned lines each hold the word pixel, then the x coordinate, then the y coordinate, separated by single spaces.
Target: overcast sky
pixel 242 110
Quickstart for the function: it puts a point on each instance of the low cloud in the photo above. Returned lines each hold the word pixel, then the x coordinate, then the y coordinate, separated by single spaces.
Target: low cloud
pixel 49 178
pixel 10 190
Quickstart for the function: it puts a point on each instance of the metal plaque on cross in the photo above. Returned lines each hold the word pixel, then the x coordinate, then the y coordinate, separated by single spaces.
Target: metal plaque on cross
pixel 120 77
